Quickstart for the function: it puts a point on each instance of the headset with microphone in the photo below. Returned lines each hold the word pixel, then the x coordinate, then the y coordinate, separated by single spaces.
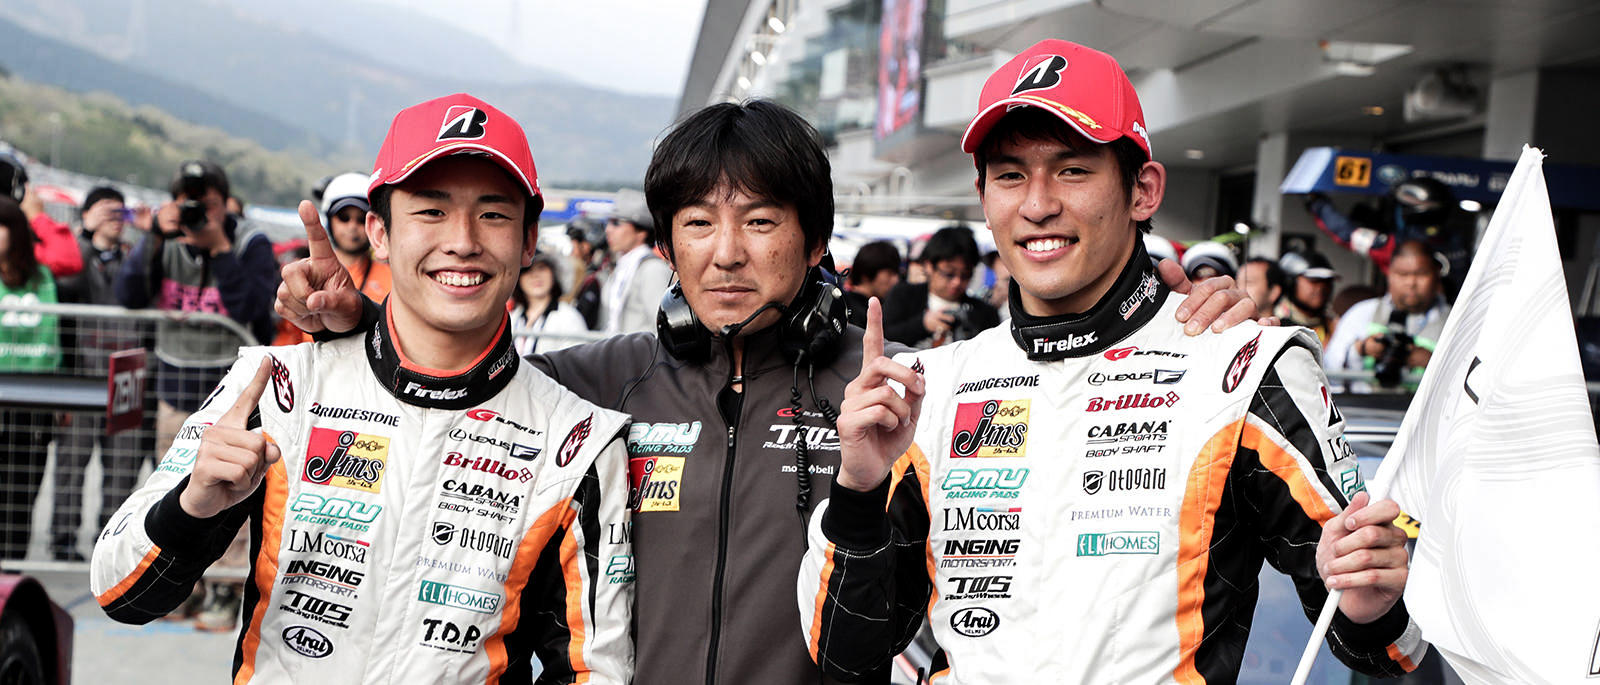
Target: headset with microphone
pixel 809 333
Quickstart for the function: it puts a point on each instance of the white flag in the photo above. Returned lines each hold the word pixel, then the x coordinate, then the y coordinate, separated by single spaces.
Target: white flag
pixel 1497 458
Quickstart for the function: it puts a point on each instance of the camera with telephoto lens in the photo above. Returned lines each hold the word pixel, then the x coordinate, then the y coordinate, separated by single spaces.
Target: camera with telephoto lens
pixel 1397 346
pixel 961 325
pixel 192 209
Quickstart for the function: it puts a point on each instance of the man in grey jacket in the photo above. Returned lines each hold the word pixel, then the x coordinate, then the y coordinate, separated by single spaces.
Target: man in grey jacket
pixel 638 277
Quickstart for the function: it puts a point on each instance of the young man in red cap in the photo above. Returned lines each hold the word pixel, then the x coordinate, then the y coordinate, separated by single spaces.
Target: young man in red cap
pixel 1088 496
pixel 424 507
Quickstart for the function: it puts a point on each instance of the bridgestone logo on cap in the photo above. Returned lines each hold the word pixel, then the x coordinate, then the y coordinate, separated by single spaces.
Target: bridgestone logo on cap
pixel 463 123
pixel 1040 75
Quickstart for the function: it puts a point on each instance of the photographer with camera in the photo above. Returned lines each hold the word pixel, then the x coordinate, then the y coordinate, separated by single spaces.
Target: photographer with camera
pixel 198 258
pixel 1389 334
pixel 940 311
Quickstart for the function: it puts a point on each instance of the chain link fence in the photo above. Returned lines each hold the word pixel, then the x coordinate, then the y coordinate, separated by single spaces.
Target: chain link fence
pixel 63 469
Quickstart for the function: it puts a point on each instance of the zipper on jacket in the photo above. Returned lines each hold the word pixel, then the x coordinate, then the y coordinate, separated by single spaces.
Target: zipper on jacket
pixel 732 408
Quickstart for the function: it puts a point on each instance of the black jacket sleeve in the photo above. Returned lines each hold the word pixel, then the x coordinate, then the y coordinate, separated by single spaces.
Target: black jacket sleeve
pixel 902 314
pixel 864 585
pixel 1295 471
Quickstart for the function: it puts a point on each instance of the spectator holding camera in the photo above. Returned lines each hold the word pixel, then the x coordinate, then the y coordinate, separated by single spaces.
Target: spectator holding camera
pixel 200 259
pixel 930 314
pixel 1398 331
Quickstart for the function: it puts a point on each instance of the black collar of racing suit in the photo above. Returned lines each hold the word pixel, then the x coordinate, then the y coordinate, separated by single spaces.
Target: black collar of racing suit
pixel 415 385
pixel 1130 304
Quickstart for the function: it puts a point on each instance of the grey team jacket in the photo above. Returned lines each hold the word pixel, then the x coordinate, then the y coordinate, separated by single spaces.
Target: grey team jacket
pixel 717 536
pixel 418 528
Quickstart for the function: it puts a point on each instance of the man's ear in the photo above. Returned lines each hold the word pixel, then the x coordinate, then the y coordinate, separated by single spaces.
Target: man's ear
pixel 530 244
pixel 378 236
pixel 1149 186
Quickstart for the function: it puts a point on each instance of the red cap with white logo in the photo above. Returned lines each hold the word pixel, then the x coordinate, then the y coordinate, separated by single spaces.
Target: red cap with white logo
pixel 453 125
pixel 1084 87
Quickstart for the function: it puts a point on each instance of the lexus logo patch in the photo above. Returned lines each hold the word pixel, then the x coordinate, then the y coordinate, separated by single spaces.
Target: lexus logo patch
pixel 463 123
pixel 1041 74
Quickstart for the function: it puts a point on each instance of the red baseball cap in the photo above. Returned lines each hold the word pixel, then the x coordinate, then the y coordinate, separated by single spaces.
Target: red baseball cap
pixel 453 125
pixel 1084 87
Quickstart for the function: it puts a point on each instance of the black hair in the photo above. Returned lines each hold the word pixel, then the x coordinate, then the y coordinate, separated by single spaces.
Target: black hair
pixel 872 259
pixel 1032 123
pixel 950 242
pixel 206 174
pixel 1274 272
pixel 20 265
pixel 540 261
pixel 98 193
pixel 759 147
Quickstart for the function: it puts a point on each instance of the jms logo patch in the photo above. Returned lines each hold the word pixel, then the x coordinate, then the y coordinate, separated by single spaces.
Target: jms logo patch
pixel 993 428
pixel 346 459
pixel 654 483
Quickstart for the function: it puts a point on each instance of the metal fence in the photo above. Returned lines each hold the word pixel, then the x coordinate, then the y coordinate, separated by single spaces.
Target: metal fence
pixel 62 473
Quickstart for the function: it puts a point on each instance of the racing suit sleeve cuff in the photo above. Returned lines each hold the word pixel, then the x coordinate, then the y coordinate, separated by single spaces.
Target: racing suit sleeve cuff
pixel 857 520
pixel 1377 635
pixel 179 534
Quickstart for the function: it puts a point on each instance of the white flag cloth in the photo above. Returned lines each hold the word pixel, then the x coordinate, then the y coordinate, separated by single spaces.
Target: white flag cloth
pixel 1497 458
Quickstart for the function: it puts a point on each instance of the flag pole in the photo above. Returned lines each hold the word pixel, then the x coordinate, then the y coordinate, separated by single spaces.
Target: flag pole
pixel 1324 620
pixel 1377 490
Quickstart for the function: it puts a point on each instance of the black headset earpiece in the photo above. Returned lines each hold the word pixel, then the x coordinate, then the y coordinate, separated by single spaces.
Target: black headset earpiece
pixel 812 324
pixel 679 330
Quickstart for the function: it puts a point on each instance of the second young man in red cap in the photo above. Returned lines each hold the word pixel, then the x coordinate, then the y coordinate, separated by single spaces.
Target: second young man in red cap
pixel 1088 495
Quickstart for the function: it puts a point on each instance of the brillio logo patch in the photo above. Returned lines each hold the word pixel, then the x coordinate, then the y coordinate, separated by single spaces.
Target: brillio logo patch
pixel 1138 400
pixel 462 122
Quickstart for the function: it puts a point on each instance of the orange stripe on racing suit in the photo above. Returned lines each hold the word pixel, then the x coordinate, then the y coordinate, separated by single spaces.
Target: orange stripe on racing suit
pixel 266 566
pixel 116 592
pixel 539 534
pixel 1203 494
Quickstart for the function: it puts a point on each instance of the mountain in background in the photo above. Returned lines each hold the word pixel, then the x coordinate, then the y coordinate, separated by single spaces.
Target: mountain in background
pixel 340 93
pixel 382 34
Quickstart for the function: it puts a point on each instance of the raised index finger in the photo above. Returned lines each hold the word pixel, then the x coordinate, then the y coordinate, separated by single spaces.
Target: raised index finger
pixel 316 236
pixel 872 342
pixel 239 413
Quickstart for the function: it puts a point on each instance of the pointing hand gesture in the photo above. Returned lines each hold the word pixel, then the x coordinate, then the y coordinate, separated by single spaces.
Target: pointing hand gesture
pixel 232 459
pixel 317 293
pixel 876 424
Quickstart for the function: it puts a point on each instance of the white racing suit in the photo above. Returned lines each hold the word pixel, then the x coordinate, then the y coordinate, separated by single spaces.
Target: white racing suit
pixel 420 527
pixel 1095 509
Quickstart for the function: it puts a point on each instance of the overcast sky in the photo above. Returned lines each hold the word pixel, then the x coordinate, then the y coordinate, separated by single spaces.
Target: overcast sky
pixel 640 46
